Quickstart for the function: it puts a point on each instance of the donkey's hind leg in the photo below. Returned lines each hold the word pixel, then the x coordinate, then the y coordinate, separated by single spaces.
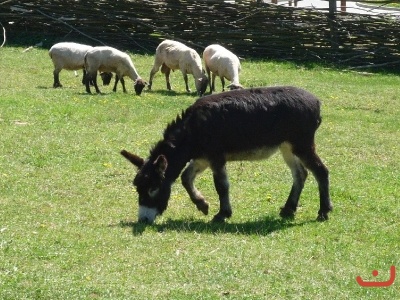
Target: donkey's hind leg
pixel 299 174
pixel 311 161
pixel 188 176
pixel 221 184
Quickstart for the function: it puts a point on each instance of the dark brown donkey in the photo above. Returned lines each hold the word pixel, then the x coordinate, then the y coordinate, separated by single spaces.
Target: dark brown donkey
pixel 247 124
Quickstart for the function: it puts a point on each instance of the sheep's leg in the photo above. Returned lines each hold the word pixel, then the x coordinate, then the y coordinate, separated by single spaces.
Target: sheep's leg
pixel 115 83
pixel 94 78
pixel 185 77
pixel 213 82
pixel 311 161
pixel 223 83
pixel 87 82
pixel 152 73
pixel 222 186
pixel 123 84
pixel 167 72
pixel 188 176
pixel 299 174
pixel 120 78
pixel 56 75
pixel 209 79
pixel 154 70
pixel 84 77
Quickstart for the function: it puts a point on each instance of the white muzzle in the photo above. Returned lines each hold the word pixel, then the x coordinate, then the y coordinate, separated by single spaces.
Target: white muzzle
pixel 147 214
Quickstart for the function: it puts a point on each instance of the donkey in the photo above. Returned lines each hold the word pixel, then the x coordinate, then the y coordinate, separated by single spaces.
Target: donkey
pixel 248 124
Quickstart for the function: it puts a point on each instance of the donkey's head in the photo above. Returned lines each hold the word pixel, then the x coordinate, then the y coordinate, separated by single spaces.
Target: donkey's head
pixel 151 186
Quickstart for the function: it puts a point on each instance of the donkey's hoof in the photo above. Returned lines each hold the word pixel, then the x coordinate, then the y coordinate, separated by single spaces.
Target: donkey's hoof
pixel 203 207
pixel 322 217
pixel 287 213
pixel 218 218
pixel 323 213
pixel 221 216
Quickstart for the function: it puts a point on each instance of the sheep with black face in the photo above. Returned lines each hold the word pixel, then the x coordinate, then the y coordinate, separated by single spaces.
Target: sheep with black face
pixel 221 62
pixel 173 55
pixel 71 56
pixel 108 59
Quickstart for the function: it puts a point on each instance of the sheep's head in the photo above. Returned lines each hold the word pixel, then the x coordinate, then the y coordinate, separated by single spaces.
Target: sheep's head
pixel 139 85
pixel 106 77
pixel 235 86
pixel 201 84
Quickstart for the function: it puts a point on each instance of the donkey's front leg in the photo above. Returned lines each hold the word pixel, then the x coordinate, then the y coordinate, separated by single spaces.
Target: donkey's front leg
pixel 188 176
pixel 222 186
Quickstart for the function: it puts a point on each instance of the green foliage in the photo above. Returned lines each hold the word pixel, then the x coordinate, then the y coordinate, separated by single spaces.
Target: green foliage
pixel 383 3
pixel 68 211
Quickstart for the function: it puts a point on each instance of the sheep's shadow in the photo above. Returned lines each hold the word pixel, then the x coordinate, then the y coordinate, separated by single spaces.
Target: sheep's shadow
pixel 43 87
pixel 94 94
pixel 170 93
pixel 264 226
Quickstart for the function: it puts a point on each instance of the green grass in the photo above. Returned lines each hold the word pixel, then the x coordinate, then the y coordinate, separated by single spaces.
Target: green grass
pixel 68 211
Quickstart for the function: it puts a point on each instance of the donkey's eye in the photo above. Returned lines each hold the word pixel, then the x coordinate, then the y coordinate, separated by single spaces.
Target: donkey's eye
pixel 153 192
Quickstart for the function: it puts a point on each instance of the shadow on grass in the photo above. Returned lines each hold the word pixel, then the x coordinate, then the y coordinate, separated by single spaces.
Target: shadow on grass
pixel 171 93
pixel 264 226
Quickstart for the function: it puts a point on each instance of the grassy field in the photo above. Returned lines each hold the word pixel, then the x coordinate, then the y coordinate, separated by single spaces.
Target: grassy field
pixel 68 210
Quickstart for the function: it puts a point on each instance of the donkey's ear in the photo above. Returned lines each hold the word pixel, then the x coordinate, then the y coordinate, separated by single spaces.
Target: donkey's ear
pixel 161 164
pixel 134 159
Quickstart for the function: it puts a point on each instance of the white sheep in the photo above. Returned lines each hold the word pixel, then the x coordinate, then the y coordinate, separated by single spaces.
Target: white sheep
pixel 108 59
pixel 70 56
pixel 172 55
pixel 223 63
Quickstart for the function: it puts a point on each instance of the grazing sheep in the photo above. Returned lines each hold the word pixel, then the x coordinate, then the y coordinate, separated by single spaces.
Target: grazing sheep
pixel 70 56
pixel 172 55
pixel 108 59
pixel 223 63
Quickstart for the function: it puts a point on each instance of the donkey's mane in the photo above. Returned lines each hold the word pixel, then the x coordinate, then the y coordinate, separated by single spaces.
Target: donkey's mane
pixel 172 137
pixel 175 127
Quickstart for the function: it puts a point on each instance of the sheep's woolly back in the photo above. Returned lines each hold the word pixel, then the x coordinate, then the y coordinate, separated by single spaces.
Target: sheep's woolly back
pixel 68 55
pixel 172 46
pixel 176 55
pixel 108 59
pixel 222 63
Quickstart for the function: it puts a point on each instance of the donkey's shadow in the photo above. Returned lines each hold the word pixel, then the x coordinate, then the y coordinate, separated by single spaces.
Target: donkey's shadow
pixel 263 226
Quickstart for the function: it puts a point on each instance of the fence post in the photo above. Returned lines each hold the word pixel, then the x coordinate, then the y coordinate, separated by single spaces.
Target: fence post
pixel 332 7
pixel 343 4
pixel 333 24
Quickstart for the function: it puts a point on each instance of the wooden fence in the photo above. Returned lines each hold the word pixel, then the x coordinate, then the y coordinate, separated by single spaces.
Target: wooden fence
pixel 249 28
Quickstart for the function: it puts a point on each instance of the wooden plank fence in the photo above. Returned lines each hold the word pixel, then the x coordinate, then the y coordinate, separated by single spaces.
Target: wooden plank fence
pixel 251 29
